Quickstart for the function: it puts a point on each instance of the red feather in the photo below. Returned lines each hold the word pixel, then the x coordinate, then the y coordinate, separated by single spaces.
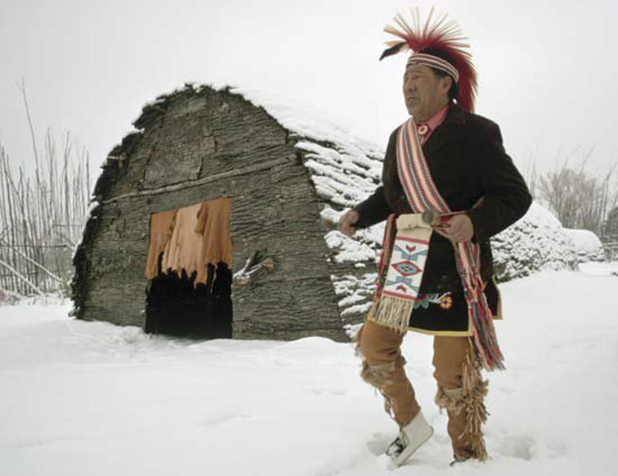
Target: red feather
pixel 445 35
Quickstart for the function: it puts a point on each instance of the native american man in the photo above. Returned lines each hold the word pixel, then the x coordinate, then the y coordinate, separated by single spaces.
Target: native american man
pixel 447 186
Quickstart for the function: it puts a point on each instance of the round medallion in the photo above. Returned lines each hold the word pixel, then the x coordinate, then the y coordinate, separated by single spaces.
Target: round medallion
pixel 428 217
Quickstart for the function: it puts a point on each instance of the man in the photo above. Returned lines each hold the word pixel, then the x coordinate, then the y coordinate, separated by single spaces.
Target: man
pixel 448 186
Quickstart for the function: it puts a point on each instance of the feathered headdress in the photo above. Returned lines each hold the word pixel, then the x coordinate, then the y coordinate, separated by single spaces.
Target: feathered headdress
pixel 438 35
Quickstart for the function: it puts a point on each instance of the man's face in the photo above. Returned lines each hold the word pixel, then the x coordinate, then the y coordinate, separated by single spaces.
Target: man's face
pixel 424 91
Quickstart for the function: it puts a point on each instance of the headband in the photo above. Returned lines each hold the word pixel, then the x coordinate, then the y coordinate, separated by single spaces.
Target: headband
pixel 434 62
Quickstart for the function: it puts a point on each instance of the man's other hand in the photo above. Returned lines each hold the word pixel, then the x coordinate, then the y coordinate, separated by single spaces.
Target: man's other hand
pixel 459 228
pixel 347 221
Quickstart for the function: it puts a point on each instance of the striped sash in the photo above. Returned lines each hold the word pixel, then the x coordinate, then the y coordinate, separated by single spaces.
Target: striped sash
pixel 405 249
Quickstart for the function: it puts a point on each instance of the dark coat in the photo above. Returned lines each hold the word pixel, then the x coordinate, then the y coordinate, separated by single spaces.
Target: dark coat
pixel 466 160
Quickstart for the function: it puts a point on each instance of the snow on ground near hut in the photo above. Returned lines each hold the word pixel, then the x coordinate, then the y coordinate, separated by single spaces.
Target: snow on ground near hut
pixel 92 398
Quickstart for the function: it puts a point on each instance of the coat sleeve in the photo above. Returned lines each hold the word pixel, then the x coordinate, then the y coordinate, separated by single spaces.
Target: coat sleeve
pixel 375 208
pixel 506 195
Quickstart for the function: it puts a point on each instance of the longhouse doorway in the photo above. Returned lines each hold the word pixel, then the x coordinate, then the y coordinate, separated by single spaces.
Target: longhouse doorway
pixel 189 271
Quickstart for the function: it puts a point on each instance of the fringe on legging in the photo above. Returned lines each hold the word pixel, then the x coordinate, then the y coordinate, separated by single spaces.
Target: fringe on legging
pixel 378 375
pixel 470 399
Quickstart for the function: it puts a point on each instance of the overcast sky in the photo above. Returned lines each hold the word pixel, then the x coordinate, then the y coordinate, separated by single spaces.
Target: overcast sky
pixel 547 69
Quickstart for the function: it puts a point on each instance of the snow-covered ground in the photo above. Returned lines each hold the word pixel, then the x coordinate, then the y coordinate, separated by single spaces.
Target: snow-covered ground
pixel 80 398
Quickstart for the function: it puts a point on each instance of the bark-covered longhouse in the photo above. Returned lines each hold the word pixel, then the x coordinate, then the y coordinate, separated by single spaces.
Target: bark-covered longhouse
pixel 287 178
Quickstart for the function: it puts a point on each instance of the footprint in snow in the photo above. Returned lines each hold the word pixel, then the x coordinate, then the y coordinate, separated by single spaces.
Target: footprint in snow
pixel 527 448
pixel 222 419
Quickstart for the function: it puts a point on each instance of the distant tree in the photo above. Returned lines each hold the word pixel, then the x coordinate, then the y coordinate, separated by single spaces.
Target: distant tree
pixel 579 199
pixel 611 224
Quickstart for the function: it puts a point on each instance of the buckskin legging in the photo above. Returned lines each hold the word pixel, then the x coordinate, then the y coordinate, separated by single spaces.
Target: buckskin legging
pixel 461 389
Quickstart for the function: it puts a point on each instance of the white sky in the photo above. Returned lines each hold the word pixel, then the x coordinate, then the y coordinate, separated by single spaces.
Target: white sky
pixel 546 68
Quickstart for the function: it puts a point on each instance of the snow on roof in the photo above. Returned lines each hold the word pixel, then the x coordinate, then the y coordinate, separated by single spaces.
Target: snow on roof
pixel 344 168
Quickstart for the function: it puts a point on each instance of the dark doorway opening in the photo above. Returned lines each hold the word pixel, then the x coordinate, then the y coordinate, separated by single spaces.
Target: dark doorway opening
pixel 174 306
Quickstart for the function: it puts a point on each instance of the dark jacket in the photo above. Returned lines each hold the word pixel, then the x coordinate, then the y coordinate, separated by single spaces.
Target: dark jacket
pixel 467 161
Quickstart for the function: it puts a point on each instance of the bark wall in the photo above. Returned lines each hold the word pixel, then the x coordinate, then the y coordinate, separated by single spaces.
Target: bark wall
pixel 198 146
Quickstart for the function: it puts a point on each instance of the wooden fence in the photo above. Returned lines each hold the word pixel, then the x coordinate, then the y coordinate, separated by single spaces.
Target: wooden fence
pixel 41 220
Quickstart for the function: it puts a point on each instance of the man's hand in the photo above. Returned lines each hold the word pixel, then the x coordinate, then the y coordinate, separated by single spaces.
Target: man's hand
pixel 347 221
pixel 459 228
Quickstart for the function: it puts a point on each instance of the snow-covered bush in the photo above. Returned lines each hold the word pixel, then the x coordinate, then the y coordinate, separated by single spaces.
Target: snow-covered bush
pixel 587 245
pixel 535 242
